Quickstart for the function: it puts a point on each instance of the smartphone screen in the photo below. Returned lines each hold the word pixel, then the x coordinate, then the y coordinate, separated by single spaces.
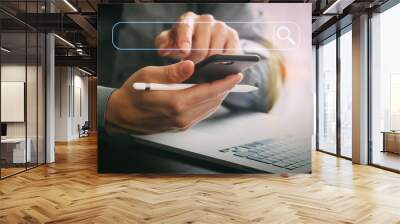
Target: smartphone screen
pixel 219 66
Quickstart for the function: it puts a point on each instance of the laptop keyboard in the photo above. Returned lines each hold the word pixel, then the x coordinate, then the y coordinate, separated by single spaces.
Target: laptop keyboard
pixel 281 153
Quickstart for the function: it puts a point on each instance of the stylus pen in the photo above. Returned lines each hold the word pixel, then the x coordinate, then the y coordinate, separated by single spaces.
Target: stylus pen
pixel 179 86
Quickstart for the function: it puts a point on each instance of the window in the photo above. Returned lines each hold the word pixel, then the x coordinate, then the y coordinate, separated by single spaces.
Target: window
pixel 346 93
pixel 385 89
pixel 327 96
pixel 334 138
pixel 394 101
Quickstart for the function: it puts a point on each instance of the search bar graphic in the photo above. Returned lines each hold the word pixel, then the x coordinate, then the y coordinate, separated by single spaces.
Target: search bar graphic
pixel 285 35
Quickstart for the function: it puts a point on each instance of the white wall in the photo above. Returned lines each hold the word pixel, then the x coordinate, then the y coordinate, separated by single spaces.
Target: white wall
pixel 81 82
pixel 61 103
pixel 70 83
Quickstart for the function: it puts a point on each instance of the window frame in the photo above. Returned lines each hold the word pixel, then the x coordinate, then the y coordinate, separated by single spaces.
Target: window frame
pixel 334 37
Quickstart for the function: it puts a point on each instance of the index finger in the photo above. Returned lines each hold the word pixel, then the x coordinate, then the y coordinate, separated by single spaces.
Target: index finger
pixel 184 32
pixel 163 42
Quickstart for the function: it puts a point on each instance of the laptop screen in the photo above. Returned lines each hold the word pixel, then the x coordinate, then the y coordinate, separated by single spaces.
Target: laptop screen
pixel 3 129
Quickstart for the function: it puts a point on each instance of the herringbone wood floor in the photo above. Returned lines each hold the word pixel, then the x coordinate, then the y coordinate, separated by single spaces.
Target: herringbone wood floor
pixel 71 191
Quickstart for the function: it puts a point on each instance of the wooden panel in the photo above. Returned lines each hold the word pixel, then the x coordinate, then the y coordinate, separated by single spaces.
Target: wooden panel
pixel 392 142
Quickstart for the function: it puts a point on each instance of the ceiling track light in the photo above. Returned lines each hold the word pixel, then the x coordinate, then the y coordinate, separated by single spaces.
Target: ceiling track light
pixel 84 71
pixel 337 7
pixel 64 40
pixel 70 5
pixel 5 50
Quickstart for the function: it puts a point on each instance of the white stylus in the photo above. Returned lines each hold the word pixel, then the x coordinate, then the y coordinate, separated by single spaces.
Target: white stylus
pixel 179 86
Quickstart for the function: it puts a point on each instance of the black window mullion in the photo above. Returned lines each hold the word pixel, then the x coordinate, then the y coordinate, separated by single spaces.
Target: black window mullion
pixel 0 94
pixel 338 90
pixel 37 90
pixel 317 96
pixel 73 92
pixel 369 95
pixel 26 86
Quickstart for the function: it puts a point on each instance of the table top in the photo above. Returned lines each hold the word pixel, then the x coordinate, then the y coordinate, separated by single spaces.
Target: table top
pixel 391 132
pixel 13 140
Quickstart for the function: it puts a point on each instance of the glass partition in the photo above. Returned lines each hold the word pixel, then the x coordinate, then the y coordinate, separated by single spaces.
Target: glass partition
pixel 13 105
pixel 23 87
pixel 327 96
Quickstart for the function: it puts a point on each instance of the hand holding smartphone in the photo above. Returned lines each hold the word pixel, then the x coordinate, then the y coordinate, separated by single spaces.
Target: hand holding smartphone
pixel 219 66
pixel 210 69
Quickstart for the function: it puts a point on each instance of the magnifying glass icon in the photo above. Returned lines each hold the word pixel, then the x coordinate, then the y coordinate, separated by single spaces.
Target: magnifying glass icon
pixel 284 33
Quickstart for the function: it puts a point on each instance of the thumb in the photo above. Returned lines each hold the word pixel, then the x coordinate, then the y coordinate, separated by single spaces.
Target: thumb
pixel 175 73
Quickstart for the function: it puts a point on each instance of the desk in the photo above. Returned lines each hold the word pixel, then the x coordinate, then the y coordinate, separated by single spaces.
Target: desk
pixel 391 141
pixel 13 150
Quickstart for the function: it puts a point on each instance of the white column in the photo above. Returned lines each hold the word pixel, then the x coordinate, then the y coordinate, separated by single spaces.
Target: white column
pixel 50 92
pixel 360 90
pixel 50 99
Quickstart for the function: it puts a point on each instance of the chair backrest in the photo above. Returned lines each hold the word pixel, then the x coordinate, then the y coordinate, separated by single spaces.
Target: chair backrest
pixel 86 124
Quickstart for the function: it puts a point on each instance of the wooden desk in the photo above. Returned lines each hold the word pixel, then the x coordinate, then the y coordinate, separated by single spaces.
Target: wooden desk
pixel 13 150
pixel 391 141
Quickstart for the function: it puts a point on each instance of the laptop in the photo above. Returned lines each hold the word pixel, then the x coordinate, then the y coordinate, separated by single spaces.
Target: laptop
pixel 3 131
pixel 248 141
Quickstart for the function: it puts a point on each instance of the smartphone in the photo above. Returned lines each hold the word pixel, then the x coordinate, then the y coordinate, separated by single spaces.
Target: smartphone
pixel 219 66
